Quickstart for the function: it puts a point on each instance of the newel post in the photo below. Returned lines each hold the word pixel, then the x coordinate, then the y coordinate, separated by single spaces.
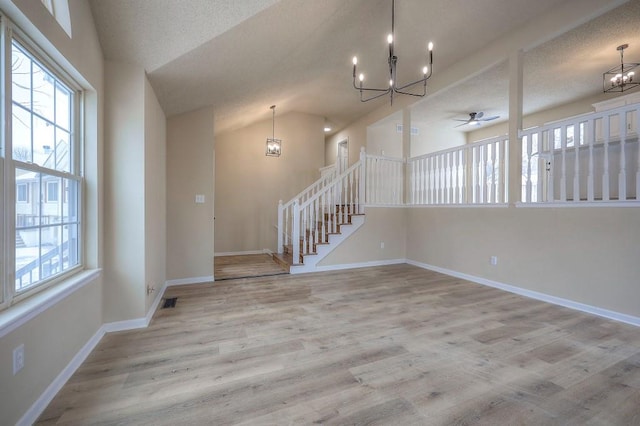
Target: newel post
pixel 295 232
pixel 362 182
pixel 280 228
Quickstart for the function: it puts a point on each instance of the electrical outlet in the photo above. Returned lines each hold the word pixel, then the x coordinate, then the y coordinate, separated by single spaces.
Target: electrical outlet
pixel 18 359
pixel 494 260
pixel 150 289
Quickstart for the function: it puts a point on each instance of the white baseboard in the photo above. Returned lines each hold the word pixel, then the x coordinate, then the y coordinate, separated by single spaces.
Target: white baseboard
pixel 47 396
pixel 242 253
pixel 353 265
pixel 616 316
pixel 192 280
pixel 52 390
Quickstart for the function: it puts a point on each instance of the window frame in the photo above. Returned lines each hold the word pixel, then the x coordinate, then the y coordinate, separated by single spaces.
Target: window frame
pixel 9 295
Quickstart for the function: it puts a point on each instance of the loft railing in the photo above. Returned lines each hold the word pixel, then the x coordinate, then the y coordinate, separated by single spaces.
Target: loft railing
pixel 589 158
pixel 384 180
pixel 470 174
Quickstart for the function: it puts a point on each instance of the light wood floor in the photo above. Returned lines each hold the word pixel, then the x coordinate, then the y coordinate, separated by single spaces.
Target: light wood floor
pixel 245 266
pixel 393 345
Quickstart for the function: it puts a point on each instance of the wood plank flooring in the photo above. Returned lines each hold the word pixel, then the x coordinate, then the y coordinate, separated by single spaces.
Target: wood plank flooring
pixel 245 266
pixel 394 345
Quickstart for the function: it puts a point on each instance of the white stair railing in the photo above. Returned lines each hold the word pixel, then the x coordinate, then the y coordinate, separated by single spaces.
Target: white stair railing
pixel 324 212
pixel 469 174
pixel 286 211
pixel 589 158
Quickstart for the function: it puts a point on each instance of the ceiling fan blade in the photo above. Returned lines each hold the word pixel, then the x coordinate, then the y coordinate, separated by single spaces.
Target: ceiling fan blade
pixel 490 118
pixel 458 119
pixel 478 115
pixel 460 125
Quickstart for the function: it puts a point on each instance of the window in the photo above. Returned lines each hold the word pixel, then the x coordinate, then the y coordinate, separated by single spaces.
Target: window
pixel 52 191
pixel 22 192
pixel 43 163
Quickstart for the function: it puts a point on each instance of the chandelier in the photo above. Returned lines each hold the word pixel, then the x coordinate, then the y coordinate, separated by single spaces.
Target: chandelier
pixel 393 88
pixel 621 77
pixel 274 146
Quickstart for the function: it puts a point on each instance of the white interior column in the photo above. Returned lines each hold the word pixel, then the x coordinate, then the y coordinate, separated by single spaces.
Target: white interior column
pixel 515 125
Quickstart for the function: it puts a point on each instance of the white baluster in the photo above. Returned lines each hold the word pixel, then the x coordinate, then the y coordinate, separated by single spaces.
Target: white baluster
pixel 622 176
pixel 295 229
pixel 563 150
pixel 280 227
pixel 637 128
pixel 494 149
pixel 605 174
pixel 429 183
pixel 454 176
pixel 362 188
pixel 482 168
pixel 576 162
pixel 548 140
pixel 590 139
pixel 500 171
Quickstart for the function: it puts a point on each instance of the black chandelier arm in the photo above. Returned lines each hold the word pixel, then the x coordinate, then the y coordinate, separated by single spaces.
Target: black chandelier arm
pixel 422 80
pixel 367 89
pixel 383 93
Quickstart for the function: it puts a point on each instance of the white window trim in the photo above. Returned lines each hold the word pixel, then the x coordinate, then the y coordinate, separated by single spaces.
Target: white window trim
pixel 48 292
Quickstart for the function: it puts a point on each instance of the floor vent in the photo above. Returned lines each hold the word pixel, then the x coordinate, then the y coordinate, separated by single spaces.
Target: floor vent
pixel 169 303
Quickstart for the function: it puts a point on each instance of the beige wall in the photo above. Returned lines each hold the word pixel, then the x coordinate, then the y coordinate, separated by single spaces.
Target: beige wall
pixel 155 197
pixel 135 199
pixel 432 139
pixel 50 341
pixel 382 225
pixel 587 255
pixel 249 184
pixel 124 275
pixel 190 171
pixel 383 139
pixel 55 336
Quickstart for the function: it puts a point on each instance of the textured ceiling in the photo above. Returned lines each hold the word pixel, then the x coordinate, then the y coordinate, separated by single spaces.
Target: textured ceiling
pixel 243 56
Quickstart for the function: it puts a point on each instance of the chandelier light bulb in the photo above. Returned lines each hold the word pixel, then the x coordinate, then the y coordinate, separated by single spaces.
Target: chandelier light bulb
pixel 390 38
pixel 425 70
pixel 361 77
pixel 390 83
pixel 430 46
pixel 355 60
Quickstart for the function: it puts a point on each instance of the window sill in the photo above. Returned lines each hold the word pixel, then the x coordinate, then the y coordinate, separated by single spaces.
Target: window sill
pixel 15 316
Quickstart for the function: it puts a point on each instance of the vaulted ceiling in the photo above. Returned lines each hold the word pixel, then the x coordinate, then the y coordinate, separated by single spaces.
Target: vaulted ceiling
pixel 240 57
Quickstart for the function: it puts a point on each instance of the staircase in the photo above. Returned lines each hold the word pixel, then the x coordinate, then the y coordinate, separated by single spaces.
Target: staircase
pixel 316 243
pixel 317 220
pixel 19 241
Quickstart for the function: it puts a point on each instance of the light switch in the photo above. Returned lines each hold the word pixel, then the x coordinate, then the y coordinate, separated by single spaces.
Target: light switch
pixel 199 199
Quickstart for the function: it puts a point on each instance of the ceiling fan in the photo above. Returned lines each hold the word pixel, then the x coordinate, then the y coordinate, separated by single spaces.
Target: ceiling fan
pixel 475 118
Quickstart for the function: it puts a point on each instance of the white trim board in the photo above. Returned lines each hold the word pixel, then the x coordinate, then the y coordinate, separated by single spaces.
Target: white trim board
pixel 243 253
pixel 594 310
pixel 325 268
pixel 187 281
pixel 16 316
